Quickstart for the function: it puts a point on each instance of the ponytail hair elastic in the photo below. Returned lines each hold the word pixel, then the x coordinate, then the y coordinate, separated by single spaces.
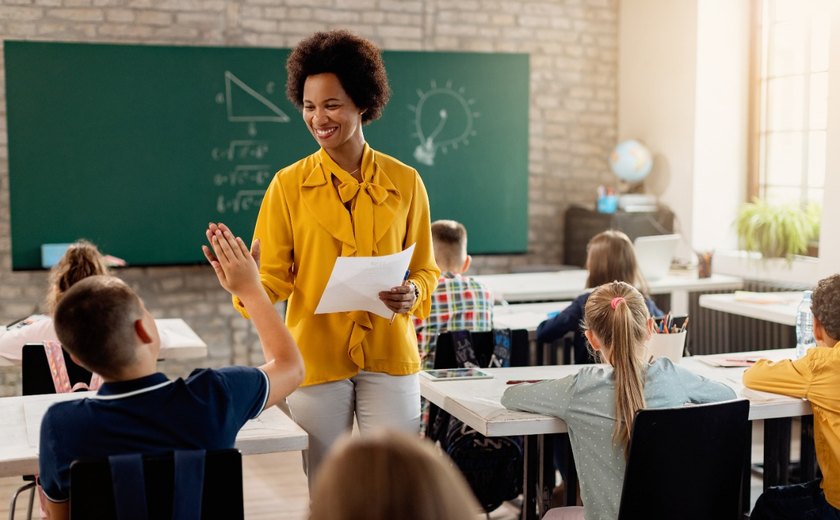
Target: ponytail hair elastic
pixel 615 301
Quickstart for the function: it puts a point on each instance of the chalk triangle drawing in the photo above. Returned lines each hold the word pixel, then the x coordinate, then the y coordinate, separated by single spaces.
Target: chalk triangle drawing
pixel 249 106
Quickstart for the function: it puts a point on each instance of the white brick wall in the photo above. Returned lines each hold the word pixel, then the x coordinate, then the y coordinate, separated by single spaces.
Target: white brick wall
pixel 572 45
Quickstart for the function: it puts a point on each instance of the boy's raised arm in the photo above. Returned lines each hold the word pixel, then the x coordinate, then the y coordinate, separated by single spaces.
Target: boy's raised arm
pixel 238 274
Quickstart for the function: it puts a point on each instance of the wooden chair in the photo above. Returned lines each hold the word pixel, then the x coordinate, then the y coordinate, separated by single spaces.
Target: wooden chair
pixel 187 485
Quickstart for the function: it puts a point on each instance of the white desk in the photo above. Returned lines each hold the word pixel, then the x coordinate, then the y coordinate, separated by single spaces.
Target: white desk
pixel 20 422
pixel 777 307
pixel 526 316
pixel 566 285
pixel 178 341
pixel 477 403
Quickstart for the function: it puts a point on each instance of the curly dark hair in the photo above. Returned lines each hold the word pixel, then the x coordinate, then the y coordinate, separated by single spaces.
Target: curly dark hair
pixel 356 61
pixel 825 304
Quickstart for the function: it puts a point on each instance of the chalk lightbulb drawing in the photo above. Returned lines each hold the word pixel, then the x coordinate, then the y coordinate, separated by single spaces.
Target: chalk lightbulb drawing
pixel 444 120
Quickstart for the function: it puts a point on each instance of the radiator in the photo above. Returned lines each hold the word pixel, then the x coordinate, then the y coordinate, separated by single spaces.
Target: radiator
pixel 715 332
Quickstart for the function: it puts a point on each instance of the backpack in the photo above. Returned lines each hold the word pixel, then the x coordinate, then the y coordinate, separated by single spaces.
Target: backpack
pixel 492 466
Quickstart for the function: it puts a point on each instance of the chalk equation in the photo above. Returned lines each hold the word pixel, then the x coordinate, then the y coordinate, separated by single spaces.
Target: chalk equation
pixel 240 149
pixel 244 200
pixel 252 174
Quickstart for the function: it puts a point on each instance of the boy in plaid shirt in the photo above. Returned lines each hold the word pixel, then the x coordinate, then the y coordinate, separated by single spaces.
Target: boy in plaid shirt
pixel 459 302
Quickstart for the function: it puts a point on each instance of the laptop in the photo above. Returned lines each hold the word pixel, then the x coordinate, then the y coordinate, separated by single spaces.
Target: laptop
pixel 654 254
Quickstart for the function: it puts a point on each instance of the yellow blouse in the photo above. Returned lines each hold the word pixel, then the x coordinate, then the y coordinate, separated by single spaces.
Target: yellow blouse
pixel 816 377
pixel 303 226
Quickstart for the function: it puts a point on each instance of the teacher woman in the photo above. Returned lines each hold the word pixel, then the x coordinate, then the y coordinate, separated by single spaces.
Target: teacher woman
pixel 346 199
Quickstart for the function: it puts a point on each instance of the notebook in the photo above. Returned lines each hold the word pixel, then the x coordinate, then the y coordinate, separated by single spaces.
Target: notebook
pixel 654 254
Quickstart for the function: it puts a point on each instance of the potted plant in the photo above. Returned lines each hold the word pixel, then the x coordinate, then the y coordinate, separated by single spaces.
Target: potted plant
pixel 777 231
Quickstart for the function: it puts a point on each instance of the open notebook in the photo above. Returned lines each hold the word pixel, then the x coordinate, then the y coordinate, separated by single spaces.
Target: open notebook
pixel 654 254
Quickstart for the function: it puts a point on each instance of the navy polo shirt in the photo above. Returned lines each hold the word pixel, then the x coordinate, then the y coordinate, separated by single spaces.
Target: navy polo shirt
pixel 148 415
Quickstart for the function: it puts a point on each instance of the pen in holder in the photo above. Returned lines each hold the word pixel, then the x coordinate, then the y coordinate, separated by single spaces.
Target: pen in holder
pixel 668 338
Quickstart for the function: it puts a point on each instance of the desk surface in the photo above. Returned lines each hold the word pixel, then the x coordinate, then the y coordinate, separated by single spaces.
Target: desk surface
pixel 778 307
pixel 177 339
pixel 566 285
pixel 526 316
pixel 20 422
pixel 477 403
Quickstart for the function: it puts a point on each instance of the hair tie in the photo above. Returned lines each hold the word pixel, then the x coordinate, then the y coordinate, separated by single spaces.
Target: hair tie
pixel 615 301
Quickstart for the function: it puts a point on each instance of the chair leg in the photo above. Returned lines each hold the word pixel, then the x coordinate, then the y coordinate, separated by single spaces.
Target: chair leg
pixel 28 486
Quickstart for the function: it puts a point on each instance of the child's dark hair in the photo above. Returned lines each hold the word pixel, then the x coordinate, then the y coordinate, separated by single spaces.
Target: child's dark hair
pixel 95 322
pixel 82 259
pixel 611 256
pixel 616 313
pixel 354 60
pixel 825 304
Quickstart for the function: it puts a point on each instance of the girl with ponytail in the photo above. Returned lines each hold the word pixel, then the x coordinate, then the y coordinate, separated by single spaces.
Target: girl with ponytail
pixel 82 259
pixel 598 403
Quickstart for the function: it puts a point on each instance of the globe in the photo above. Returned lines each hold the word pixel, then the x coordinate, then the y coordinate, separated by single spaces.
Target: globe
pixel 631 161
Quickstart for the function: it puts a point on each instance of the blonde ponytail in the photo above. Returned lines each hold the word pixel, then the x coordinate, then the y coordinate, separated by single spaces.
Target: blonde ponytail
pixel 616 313
pixel 82 259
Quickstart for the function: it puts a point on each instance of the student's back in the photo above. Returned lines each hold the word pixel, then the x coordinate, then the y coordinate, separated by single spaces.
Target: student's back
pixel 459 302
pixel 599 402
pixel 108 330
pixel 609 257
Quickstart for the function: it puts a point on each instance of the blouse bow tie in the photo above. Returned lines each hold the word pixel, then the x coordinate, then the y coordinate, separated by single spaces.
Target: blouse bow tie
pixel 348 189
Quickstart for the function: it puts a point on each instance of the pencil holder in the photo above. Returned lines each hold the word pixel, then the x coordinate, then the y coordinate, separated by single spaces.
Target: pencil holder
pixel 670 346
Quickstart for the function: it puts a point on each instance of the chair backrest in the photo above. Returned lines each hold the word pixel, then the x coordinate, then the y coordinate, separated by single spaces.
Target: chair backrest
pixel 483 344
pixel 35 371
pixel 92 489
pixel 687 462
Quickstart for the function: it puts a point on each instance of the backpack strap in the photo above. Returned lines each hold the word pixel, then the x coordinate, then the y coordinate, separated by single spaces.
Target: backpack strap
pixel 501 348
pixel 58 371
pixel 129 486
pixel 189 484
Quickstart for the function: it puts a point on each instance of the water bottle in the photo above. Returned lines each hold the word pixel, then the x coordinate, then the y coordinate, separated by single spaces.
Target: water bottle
pixel 804 326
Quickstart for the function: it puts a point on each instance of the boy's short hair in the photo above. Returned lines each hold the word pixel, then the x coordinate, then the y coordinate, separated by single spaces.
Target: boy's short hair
pixel 449 239
pixel 825 304
pixel 95 322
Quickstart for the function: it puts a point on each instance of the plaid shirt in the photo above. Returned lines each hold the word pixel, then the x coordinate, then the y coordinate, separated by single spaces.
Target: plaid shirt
pixel 458 303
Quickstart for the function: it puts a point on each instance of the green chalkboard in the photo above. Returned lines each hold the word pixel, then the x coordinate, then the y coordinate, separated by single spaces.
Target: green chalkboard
pixel 137 147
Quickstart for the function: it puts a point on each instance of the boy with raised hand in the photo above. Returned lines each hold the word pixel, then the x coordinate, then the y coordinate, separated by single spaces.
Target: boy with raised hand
pixel 107 329
pixel 816 377
pixel 458 303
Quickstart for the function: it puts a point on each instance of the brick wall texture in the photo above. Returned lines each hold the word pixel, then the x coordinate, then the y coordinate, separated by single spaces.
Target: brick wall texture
pixel 573 55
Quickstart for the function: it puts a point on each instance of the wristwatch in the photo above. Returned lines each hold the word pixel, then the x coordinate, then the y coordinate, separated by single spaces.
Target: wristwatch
pixel 416 290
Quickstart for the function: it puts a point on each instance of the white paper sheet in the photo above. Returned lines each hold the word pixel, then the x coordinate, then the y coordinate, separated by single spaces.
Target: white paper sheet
pixel 356 281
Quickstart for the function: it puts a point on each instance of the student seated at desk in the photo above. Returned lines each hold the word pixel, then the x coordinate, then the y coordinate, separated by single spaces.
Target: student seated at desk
pixel 82 259
pixel 404 478
pixel 816 377
pixel 458 303
pixel 610 257
pixel 598 403
pixel 107 329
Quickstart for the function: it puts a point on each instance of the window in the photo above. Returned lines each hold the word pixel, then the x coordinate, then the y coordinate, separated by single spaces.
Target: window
pixel 790 100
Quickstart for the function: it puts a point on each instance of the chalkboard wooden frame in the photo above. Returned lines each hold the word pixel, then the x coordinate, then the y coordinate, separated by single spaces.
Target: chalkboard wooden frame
pixel 137 147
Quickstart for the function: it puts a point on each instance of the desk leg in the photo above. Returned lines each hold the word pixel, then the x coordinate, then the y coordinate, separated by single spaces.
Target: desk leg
pixel 747 477
pixel 679 303
pixel 546 475
pixel 776 451
pixel 807 455
pixel 529 478
pixel 571 478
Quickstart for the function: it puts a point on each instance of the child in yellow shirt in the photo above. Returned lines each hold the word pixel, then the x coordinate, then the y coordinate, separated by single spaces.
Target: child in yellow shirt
pixel 816 377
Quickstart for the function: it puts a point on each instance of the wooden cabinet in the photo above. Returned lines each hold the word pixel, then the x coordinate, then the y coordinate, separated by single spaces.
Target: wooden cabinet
pixel 581 224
